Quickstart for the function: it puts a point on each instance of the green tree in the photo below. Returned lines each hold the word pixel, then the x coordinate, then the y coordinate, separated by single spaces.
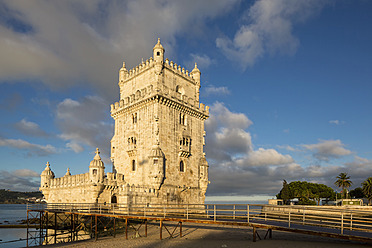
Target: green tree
pixel 357 193
pixel 306 193
pixel 343 181
pixel 285 193
pixel 367 189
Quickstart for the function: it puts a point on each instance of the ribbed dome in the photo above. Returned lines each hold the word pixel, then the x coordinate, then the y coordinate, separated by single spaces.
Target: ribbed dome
pixel 156 152
pixel 203 161
pixel 158 45
pixel 47 171
pixel 97 162
pixel 196 69
pixel 123 68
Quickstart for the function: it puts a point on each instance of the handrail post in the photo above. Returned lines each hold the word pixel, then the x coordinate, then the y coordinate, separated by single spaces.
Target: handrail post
pixel 342 222
pixel 214 207
pixel 351 221
pixel 289 218
pixel 303 216
pixel 248 213
pixel 187 212
pixel 234 211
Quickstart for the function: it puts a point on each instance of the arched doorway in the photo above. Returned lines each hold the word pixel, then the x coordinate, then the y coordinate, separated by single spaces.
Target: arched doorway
pixel 114 199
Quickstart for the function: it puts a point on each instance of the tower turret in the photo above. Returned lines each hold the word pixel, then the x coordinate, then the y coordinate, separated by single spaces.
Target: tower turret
pixel 158 53
pixel 46 175
pixel 123 73
pixel 156 174
pixel 195 74
pixel 96 169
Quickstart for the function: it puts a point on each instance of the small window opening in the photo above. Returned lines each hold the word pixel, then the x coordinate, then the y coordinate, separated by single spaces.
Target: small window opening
pixel 134 118
pixel 182 166
pixel 182 119
pixel 133 165
pixel 156 161
pixel 158 53
pixel 94 172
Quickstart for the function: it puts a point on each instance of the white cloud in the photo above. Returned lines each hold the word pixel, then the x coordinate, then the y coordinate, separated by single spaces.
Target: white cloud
pixel 20 180
pixel 266 157
pixel 336 122
pixel 63 43
pixel 235 167
pixel 326 149
pixel 268 30
pixel 26 173
pixel 85 122
pixel 202 60
pixel 288 148
pixel 212 90
pixel 29 128
pixel 32 149
pixel 75 147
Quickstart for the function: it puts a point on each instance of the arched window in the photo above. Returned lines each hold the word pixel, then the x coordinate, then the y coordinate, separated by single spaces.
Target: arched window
pixel 114 199
pixel 182 166
pixel 133 165
pixel 94 172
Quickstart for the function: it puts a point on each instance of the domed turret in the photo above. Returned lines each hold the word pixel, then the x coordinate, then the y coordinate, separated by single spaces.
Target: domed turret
pixel 156 174
pixel 68 172
pixel 123 73
pixel 46 175
pixel 158 51
pixel 97 168
pixel 195 74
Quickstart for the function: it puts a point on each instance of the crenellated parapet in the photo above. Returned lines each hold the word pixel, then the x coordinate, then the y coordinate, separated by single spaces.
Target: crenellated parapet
pixel 122 106
pixel 70 181
pixel 125 75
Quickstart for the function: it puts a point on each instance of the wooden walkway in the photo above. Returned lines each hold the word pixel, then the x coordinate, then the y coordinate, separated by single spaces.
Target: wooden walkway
pixel 71 222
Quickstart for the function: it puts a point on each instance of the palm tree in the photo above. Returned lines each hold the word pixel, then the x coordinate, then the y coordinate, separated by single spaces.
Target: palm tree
pixel 343 181
pixel 367 189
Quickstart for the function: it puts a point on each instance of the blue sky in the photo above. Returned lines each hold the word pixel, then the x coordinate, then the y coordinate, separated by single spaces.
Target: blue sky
pixel 288 83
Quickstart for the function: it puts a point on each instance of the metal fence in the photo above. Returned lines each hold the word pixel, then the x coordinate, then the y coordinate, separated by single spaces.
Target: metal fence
pixel 339 220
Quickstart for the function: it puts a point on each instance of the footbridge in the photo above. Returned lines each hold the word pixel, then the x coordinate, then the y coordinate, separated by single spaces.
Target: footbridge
pixel 71 222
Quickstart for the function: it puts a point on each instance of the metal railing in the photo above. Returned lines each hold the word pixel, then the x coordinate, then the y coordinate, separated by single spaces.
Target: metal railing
pixel 320 218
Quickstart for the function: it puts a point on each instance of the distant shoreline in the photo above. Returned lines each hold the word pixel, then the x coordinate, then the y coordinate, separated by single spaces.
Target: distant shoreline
pixel 18 225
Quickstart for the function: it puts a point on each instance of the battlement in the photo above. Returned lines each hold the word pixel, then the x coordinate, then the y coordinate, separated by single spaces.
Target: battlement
pixel 178 70
pixel 148 64
pixel 148 94
pixel 70 181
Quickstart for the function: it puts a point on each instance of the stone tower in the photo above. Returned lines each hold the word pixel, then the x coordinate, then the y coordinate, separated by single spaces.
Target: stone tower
pixel 157 148
pixel 159 131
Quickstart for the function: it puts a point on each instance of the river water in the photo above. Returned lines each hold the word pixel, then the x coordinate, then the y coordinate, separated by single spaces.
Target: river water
pixel 12 214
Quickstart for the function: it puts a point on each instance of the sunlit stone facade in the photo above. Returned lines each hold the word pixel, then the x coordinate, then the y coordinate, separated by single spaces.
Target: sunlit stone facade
pixel 157 147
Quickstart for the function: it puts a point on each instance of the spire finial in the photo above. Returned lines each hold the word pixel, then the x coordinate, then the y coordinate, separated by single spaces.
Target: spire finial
pixel 158 40
pixel 47 164
pixel 123 64
pixel 196 66
pixel 97 157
